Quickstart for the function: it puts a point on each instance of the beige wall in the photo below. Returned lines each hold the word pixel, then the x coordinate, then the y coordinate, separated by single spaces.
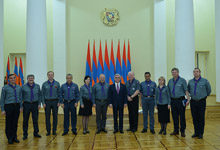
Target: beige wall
pixel 136 24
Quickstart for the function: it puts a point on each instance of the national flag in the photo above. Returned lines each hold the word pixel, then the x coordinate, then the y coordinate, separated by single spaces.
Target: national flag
pixel 100 62
pixel 16 71
pixel 128 59
pixel 112 66
pixel 21 74
pixel 88 63
pixel 106 64
pixel 124 67
pixel 8 70
pixel 94 66
pixel 118 60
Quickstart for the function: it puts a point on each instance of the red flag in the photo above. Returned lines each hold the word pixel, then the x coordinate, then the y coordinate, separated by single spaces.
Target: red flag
pixel 124 66
pixel 100 62
pixel 21 74
pixel 16 71
pixel 8 70
pixel 94 66
pixel 106 64
pixel 112 66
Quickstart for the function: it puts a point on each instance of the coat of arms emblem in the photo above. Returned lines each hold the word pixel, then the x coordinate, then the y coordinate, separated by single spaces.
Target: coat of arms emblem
pixel 110 17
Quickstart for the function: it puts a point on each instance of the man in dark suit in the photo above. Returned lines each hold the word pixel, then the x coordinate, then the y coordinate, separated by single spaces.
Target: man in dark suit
pixel 118 100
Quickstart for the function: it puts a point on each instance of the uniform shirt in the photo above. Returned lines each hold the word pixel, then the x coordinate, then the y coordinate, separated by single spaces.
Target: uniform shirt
pixel 199 89
pixel 69 92
pixel 100 91
pixel 31 93
pixel 162 95
pixel 147 88
pixel 85 91
pixel 132 86
pixel 50 90
pixel 11 95
pixel 177 88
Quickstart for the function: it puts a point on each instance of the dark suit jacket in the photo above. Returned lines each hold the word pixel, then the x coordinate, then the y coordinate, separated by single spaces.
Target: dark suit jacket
pixel 117 99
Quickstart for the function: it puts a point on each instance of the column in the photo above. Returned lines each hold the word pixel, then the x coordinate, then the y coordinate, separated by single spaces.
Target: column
pixel 59 40
pixel 160 50
pixel 1 45
pixel 36 43
pixel 184 40
pixel 217 41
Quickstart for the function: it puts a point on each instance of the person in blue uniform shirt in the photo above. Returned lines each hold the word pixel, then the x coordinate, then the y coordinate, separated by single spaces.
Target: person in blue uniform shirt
pixel 11 106
pixel 178 90
pixel 100 96
pixel 86 103
pixel 162 104
pixel 50 101
pixel 118 100
pixel 133 89
pixel 199 89
pixel 69 97
pixel 147 90
pixel 31 96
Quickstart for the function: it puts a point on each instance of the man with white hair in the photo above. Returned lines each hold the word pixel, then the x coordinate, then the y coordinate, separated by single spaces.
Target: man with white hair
pixel 100 96
pixel 133 89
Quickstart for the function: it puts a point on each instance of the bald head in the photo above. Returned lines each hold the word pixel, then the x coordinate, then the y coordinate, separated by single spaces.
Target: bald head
pixel 102 78
pixel 131 75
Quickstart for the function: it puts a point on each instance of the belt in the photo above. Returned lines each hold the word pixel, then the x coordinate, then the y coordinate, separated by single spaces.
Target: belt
pixel 179 98
pixel 13 104
pixel 69 101
pixel 197 100
pixel 31 102
pixel 51 99
pixel 87 99
pixel 101 100
pixel 148 96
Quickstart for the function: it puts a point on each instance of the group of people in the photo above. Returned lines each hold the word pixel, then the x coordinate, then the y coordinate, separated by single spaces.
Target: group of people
pixel 176 95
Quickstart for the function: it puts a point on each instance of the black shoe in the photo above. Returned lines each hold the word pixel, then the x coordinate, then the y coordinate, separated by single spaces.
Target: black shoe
pixel 37 135
pixel 74 132
pixel 133 130
pixel 161 131
pixel 152 131
pixel 164 132
pixel 10 142
pixel 144 130
pixel 64 133
pixel 121 131
pixel 200 136
pixel 48 133
pixel 98 131
pixel 115 131
pixel 16 140
pixel 84 131
pixel 183 134
pixel 104 130
pixel 129 129
pixel 24 137
pixel 54 133
pixel 87 131
pixel 194 135
pixel 174 133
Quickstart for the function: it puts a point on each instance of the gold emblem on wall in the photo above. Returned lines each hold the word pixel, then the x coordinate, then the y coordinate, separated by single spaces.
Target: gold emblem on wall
pixel 110 17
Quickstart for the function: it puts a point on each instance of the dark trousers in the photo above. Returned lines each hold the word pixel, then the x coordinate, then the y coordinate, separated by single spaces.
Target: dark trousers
pixel 69 107
pixel 198 115
pixel 51 105
pixel 101 113
pixel 27 109
pixel 178 113
pixel 133 107
pixel 116 110
pixel 11 123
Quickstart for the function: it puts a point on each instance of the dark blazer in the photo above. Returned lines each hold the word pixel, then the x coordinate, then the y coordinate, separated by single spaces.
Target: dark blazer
pixel 118 99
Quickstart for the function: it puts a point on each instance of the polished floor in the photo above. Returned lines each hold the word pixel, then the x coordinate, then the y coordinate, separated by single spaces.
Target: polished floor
pixel 128 140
